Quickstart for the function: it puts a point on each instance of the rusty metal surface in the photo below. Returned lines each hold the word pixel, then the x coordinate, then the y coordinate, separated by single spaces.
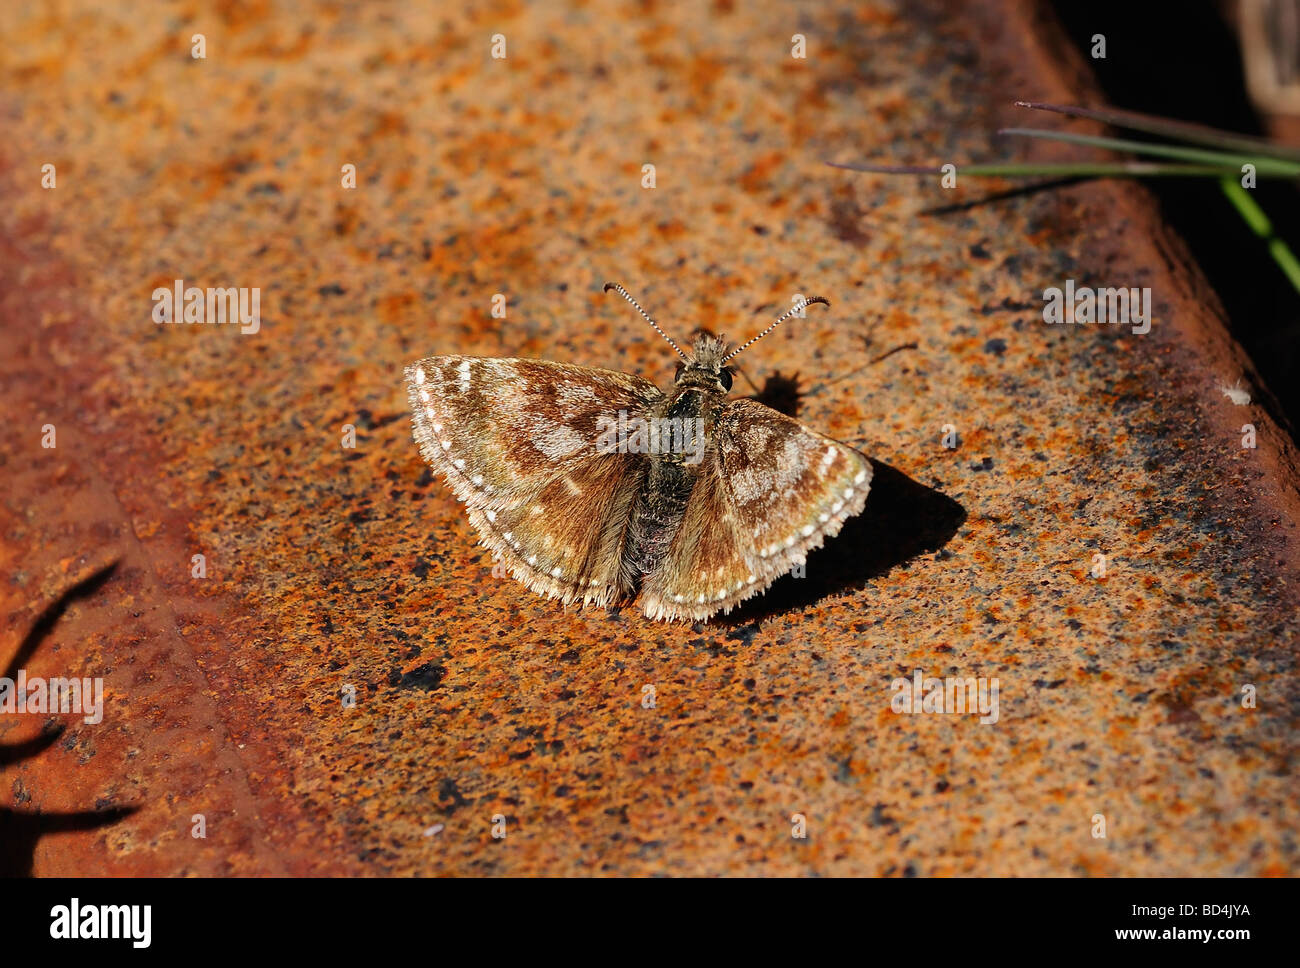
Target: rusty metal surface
pixel 332 567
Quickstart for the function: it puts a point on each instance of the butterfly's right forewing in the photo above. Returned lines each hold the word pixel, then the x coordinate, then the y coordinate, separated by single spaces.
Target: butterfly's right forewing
pixel 770 490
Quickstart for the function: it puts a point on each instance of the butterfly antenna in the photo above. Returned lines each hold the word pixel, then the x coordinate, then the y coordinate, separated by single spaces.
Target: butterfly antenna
pixel 623 292
pixel 797 307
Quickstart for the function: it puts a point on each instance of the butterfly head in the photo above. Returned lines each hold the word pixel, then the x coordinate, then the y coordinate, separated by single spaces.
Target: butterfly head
pixel 704 368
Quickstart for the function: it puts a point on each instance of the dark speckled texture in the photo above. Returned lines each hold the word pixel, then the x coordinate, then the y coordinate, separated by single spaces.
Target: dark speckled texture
pixel 332 568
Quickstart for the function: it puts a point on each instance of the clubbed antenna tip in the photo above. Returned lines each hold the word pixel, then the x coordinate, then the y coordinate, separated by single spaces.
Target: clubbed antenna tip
pixel 797 307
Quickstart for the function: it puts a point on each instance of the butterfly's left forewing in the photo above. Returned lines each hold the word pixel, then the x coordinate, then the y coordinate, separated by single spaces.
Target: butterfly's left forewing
pixel 518 441
pixel 770 490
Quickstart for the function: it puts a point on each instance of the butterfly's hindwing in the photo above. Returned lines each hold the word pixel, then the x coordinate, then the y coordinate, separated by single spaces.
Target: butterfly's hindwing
pixel 517 441
pixel 770 491
pixel 568 540
pixel 704 567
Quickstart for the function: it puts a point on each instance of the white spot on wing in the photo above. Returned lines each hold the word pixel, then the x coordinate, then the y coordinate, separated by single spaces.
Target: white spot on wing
pixel 555 440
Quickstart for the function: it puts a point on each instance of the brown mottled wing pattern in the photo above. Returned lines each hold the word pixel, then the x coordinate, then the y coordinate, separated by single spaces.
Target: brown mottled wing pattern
pixel 516 440
pixel 770 490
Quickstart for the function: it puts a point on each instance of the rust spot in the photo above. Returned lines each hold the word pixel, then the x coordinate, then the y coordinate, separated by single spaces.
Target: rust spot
pixel 757 177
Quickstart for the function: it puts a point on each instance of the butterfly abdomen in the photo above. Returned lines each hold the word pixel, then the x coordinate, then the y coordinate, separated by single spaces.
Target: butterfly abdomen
pixel 658 513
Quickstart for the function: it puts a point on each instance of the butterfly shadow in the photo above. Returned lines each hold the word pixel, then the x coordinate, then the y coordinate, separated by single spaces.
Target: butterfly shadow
pixel 902 520
pixel 19 830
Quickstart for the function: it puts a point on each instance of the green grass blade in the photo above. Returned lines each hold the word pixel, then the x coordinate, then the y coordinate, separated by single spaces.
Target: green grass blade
pixel 1175 130
pixel 1248 208
pixel 1259 223
pixel 1225 160
pixel 1066 169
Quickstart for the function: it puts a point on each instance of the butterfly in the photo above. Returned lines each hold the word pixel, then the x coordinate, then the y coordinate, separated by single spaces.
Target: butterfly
pixel 595 486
